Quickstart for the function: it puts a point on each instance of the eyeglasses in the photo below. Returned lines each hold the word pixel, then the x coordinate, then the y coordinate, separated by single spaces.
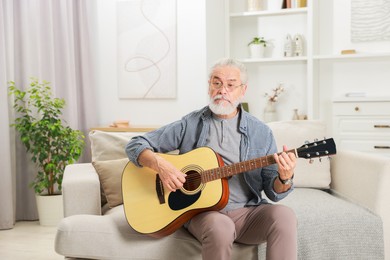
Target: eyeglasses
pixel 217 85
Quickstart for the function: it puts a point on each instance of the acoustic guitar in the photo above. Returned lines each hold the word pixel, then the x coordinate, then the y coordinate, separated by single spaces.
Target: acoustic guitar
pixel 153 210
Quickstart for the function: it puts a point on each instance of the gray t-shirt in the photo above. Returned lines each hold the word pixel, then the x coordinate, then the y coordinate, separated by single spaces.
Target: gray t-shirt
pixel 224 138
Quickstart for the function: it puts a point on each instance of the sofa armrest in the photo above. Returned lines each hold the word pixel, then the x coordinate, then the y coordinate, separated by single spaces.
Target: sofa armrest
pixel 81 190
pixel 365 179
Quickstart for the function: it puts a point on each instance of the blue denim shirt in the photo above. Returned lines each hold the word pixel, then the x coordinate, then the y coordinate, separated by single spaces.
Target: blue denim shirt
pixel 191 132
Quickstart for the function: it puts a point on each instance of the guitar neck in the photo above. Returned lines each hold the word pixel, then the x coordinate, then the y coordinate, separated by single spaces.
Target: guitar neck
pixel 237 168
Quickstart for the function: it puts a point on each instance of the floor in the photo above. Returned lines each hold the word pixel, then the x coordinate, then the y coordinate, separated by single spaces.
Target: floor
pixel 28 240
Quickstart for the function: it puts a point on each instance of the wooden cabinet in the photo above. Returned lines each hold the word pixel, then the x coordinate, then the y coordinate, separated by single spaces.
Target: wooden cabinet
pixel 362 124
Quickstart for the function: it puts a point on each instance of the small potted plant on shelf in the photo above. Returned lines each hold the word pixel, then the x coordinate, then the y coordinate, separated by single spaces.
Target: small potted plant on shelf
pixel 51 143
pixel 257 46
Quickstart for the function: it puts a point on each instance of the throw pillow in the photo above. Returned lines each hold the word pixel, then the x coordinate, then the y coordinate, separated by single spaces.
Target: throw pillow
pixel 110 176
pixel 294 134
pixel 109 145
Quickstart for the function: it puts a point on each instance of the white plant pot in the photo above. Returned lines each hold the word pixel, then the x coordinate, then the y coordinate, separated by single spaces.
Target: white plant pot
pixel 256 51
pixel 50 209
pixel 269 51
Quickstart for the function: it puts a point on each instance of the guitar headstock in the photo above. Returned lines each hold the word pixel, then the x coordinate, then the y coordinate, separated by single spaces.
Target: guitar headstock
pixel 316 149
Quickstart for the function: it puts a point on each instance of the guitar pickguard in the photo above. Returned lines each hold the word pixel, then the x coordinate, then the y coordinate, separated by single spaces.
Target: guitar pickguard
pixel 178 200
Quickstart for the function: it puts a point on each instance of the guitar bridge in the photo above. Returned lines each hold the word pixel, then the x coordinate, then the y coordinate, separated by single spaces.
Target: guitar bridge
pixel 160 189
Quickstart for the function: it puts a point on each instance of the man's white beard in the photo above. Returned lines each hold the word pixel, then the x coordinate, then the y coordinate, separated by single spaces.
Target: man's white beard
pixel 222 108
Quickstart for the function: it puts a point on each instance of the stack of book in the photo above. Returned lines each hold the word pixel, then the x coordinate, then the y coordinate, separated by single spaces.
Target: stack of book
pixel 294 3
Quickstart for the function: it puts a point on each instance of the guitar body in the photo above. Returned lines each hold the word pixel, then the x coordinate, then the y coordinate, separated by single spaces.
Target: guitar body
pixel 151 209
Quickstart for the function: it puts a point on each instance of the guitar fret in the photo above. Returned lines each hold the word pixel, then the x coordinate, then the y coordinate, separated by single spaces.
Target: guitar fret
pixel 252 164
pixel 242 168
pixel 247 166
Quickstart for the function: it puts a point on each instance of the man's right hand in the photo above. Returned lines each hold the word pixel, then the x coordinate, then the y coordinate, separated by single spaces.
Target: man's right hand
pixel 170 176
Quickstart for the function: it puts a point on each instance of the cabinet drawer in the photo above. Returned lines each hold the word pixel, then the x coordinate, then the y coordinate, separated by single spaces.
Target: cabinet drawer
pixel 364 125
pixel 361 108
pixel 371 146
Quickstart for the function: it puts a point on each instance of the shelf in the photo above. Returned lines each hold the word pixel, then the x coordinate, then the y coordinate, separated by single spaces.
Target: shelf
pixel 361 99
pixel 352 56
pixel 320 57
pixel 280 59
pixel 302 10
pixel 125 129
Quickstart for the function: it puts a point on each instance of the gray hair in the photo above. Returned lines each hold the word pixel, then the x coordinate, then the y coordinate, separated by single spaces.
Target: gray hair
pixel 231 63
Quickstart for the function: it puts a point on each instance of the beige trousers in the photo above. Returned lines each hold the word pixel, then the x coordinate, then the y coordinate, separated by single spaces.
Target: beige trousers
pixel 274 224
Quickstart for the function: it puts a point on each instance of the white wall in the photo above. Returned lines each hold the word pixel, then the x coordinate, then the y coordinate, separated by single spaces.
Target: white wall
pixel 191 70
pixel 342 31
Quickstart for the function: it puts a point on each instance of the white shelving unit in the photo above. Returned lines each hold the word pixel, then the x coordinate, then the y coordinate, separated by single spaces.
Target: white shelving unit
pixel 266 73
pixel 314 80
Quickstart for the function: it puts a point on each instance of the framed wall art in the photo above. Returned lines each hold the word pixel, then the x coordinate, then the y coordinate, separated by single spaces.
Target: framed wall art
pixel 370 20
pixel 146 51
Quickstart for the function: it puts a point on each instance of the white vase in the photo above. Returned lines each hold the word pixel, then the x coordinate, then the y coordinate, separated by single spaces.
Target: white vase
pixel 274 5
pixel 256 51
pixel 254 5
pixel 50 209
pixel 288 46
pixel 270 114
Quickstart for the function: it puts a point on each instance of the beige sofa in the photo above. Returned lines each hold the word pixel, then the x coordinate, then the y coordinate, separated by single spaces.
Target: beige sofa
pixel 341 205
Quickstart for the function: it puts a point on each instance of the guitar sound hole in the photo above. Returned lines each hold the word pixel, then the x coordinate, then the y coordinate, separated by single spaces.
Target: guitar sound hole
pixel 193 181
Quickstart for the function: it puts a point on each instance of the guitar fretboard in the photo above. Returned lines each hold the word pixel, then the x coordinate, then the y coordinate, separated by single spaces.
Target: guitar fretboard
pixel 236 168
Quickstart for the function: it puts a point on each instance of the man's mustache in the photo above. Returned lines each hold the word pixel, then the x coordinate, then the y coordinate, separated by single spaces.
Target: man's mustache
pixel 221 97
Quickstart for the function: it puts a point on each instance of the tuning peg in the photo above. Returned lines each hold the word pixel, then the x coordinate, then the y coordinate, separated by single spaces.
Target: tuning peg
pixel 320 159
pixel 316 140
pixel 307 142
pixel 311 161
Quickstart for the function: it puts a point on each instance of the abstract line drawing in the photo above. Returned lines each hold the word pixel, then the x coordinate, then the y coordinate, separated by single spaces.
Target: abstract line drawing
pixel 370 20
pixel 146 49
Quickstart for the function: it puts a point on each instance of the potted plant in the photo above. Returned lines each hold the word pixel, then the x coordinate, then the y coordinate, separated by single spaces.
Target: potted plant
pixel 257 46
pixel 51 143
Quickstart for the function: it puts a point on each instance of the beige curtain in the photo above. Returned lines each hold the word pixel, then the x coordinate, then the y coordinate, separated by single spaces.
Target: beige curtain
pixel 53 41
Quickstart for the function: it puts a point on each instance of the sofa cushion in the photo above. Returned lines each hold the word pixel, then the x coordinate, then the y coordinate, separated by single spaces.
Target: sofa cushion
pixel 329 227
pixel 294 134
pixel 111 237
pixel 109 145
pixel 110 175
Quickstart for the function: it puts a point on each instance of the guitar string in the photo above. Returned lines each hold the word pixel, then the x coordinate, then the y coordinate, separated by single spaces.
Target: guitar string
pixel 228 169
pixel 225 171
